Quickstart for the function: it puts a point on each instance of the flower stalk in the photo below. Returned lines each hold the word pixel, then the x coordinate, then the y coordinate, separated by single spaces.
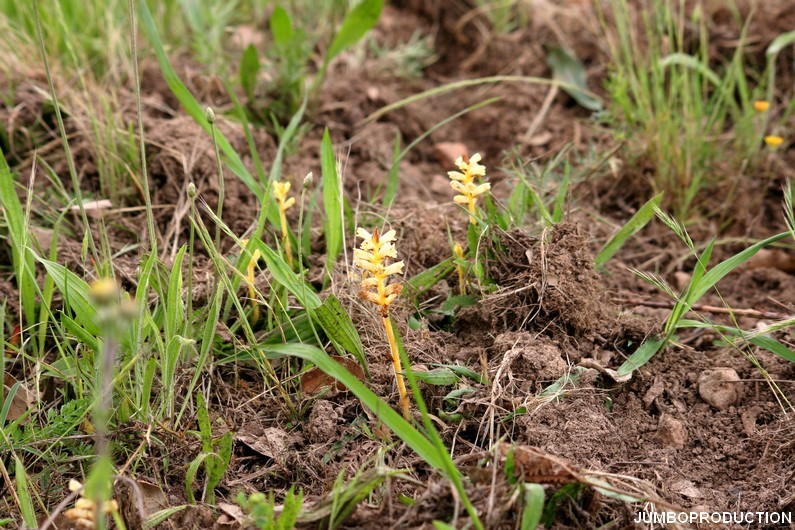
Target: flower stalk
pixel 280 190
pixel 463 182
pixel 252 292
pixel 373 257
pixel 459 254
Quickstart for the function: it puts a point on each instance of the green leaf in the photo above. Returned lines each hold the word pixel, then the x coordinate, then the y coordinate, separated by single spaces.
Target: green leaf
pixel 567 69
pixel 175 309
pixel 779 43
pixel 76 294
pixel 23 492
pixel 632 227
pixel 203 419
pixel 438 376
pixel 451 306
pixel 337 324
pixel 281 26
pixel 642 355
pixel 533 496
pixel 332 202
pixel 21 256
pixel 357 23
pixel 249 68
pixel 691 63
pixel 425 280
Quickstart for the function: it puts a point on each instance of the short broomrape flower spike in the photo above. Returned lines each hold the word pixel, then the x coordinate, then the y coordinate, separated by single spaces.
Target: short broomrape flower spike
pixel 252 292
pixel 373 256
pixel 280 190
pixel 84 514
pixel 464 183
pixel 774 141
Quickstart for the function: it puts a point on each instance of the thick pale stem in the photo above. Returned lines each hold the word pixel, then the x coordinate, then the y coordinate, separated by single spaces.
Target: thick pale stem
pixel 462 286
pixel 472 211
pixel 393 351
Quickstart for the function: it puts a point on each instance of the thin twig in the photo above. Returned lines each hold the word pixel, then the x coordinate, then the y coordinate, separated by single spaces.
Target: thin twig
pixel 754 313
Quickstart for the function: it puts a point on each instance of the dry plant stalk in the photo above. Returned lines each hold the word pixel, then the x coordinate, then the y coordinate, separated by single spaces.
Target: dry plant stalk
pixel 373 256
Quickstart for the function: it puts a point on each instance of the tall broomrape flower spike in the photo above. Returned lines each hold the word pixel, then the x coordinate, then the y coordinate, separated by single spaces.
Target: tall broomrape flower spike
pixel 252 292
pixel 280 190
pixel 84 514
pixel 464 183
pixel 373 257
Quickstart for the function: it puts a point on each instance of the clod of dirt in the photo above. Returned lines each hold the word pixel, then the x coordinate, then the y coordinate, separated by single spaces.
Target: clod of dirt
pixel 671 432
pixel 271 442
pixel 720 387
pixel 530 358
pixel 447 152
pixel 323 420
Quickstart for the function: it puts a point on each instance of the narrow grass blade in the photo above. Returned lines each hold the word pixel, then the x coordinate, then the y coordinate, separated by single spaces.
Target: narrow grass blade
pixel 642 355
pixel 356 24
pixel 21 256
pixel 723 268
pixel 332 202
pixel 175 310
pixel 688 61
pixel 533 496
pixel 336 322
pixel 404 430
pixel 23 492
pixel 632 227
pixel 76 294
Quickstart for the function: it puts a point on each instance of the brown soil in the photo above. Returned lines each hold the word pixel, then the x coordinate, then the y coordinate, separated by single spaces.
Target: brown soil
pixel 664 435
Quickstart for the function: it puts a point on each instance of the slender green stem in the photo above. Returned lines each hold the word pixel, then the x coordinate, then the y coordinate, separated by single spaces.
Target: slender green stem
pixel 69 159
pixel 150 218
pixel 220 209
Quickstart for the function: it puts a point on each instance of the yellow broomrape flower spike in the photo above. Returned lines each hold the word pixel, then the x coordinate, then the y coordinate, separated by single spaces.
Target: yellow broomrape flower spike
pixel 761 106
pixel 464 183
pixel 280 190
pixel 84 514
pixel 774 141
pixel 252 292
pixel 373 256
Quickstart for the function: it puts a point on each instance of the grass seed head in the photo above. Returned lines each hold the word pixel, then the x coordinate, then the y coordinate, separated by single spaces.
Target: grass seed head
pixel 463 182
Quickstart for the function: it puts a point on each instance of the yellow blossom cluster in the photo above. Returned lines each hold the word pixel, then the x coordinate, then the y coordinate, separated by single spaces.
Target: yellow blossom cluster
pixel 376 251
pixel 84 514
pixel 280 191
pixel 464 183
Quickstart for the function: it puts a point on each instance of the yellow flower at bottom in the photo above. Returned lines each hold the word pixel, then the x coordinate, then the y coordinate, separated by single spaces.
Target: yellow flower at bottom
pixel 774 141
pixel 761 106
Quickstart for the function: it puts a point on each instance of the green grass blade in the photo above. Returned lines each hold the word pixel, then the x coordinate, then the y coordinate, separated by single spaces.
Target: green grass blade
pixel 533 495
pixel 21 256
pixel 332 202
pixel 175 310
pixel 404 430
pixel 356 24
pixel 23 492
pixel 723 268
pixel 688 61
pixel 76 294
pixel 337 324
pixel 642 355
pixel 641 218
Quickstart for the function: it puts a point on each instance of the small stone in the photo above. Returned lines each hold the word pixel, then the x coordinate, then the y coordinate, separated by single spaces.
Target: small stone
pixel 447 153
pixel 671 432
pixel 720 387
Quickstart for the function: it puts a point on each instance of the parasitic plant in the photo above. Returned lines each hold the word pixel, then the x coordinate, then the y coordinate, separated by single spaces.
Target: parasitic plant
pixel 280 190
pixel 373 257
pixel 464 183
pixel 459 254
